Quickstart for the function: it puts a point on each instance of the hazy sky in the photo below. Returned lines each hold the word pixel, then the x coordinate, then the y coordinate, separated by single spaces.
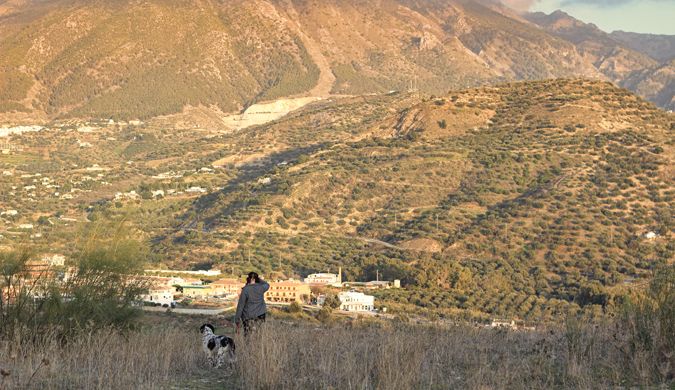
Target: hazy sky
pixel 645 16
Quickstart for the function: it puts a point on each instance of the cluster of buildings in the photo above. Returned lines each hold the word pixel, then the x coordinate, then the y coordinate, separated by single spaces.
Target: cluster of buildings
pixel 165 290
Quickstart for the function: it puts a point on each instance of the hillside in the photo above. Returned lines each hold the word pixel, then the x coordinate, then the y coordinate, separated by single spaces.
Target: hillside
pixel 518 199
pixel 141 59
pixel 659 47
pixel 529 199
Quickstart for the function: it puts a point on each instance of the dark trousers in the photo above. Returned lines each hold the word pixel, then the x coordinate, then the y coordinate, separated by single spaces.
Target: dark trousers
pixel 252 323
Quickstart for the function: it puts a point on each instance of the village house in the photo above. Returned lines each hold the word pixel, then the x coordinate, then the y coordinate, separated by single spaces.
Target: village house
pixel 651 235
pixel 160 294
pixel 227 286
pixel 162 281
pixel 195 291
pixel 54 260
pixel 356 301
pixel 39 269
pixel 374 284
pixel 502 323
pixel 288 291
pixel 126 195
pixel 195 190
pixel 168 175
pixel 322 279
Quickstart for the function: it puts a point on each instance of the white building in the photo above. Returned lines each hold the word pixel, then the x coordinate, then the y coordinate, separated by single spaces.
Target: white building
pixel 196 190
pixel 55 260
pixel 651 236
pixel 502 323
pixel 356 301
pixel 325 278
pixel 126 195
pixel 159 295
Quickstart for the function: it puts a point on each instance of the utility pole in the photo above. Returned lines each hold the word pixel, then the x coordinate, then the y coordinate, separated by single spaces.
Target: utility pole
pixel 437 223
pixel 377 274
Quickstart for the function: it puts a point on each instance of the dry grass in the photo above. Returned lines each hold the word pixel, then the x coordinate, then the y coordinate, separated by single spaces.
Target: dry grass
pixel 382 356
pixel 361 354
pixel 104 359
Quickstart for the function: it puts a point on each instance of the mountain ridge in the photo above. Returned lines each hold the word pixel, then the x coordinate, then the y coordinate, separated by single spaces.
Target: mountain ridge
pixel 141 59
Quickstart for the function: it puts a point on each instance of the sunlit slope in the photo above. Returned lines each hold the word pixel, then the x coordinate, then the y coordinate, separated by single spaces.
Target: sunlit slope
pixel 541 189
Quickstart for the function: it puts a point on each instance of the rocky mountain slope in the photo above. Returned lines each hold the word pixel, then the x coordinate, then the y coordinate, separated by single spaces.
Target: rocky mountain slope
pixel 141 59
pixel 642 63
pixel 659 47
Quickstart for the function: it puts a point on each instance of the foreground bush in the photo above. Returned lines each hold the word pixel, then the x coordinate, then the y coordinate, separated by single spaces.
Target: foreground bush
pixel 646 330
pixel 98 291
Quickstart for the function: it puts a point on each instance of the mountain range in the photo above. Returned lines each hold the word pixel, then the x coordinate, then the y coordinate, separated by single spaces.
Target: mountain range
pixel 141 59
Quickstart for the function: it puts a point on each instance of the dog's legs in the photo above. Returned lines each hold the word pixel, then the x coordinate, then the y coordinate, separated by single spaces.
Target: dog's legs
pixel 221 356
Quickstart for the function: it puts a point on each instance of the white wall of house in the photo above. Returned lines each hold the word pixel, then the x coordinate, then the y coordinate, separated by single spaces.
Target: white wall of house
pixel 356 301
pixel 162 297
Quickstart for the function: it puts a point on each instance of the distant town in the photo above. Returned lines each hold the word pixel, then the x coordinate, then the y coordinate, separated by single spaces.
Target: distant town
pixel 167 291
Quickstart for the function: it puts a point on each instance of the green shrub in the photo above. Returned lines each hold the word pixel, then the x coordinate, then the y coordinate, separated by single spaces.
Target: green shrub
pixel 100 293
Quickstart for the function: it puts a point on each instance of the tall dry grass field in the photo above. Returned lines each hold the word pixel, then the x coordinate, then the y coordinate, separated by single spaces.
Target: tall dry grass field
pixel 354 355
pixel 283 356
pixel 103 359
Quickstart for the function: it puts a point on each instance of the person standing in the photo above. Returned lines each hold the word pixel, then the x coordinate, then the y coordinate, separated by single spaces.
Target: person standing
pixel 251 308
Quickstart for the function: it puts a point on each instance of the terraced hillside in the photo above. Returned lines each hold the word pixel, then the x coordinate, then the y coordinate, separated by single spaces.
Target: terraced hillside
pixel 529 199
pixel 142 59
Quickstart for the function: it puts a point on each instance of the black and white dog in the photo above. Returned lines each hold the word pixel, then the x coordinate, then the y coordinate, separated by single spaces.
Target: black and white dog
pixel 219 349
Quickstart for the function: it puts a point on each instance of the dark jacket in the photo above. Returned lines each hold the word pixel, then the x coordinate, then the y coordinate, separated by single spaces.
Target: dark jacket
pixel 252 301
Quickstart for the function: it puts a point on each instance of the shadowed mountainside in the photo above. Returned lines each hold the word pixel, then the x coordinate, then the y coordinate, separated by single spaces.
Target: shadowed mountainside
pixel 643 63
pixel 140 59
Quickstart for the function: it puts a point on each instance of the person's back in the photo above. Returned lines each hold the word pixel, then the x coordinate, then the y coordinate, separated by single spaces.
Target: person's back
pixel 251 307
